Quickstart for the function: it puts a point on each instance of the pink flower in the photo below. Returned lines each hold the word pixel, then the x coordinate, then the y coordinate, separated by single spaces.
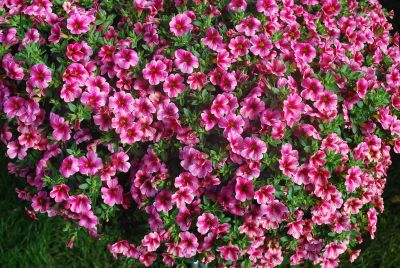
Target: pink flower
pixel 69 166
pixel 40 202
pixel 312 88
pixel 148 258
pixel 264 194
pixel 185 61
pixel 331 7
pixel 188 244
pixel 253 148
pixel 155 72
pixel 213 39
pixel 90 164
pixel 183 196
pixel 15 149
pixel 113 193
pixel 40 76
pixel 197 81
pixel 372 220
pixel 14 106
pixel 229 252
pixel 88 220
pixel 275 211
pixel 248 26
pixel 61 131
pixel 180 24
pixel 353 179
pixel 78 24
pixel 293 107
pixel 151 241
pixel 305 52
pixel 326 101
pixel 352 205
pixel 121 102
pixel 361 87
pixel 70 92
pixel 76 73
pixel 232 124
pixel 126 58
pixel 239 46
pixel 268 7
pixel 120 162
pixel 252 107
pixel 94 98
pixel 244 189
pixel 60 193
pixel 206 222
pixel 174 85
pixel 163 201
pixel 260 45
pixel 79 203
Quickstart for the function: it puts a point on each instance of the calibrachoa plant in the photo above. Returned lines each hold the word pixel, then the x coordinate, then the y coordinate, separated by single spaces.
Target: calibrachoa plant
pixel 242 133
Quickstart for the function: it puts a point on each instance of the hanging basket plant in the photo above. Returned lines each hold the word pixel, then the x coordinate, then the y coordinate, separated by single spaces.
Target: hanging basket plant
pixel 236 133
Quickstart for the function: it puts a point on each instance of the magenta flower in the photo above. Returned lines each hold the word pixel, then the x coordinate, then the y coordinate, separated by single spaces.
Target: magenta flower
pixel 61 131
pixel 239 46
pixel 197 81
pixel 188 244
pixel 14 106
pixel 155 72
pixel 264 195
pixel 41 202
pixel 126 58
pixel 253 148
pixel 185 61
pixel 113 193
pixel 180 24
pixel 213 39
pixel 78 24
pixel 206 222
pixel 70 92
pixel 174 85
pixel 276 211
pixel 163 201
pixel 248 26
pixel 305 52
pixel 183 196
pixel 244 189
pixel 293 107
pixel 353 179
pixel 88 220
pixel 261 45
pixel 90 164
pixel 331 7
pixel 151 241
pixel 60 193
pixel 229 252
pixel 76 73
pixel 40 76
pixel 69 166
pixel 15 149
pixel 79 203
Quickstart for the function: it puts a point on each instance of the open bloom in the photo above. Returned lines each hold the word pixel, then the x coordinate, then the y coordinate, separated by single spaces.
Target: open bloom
pixel 40 76
pixel 253 148
pixel 90 164
pixel 188 244
pixel 69 166
pixel 126 58
pixel 155 72
pixel 185 61
pixel 206 222
pixel 79 23
pixel 180 24
pixel 61 131
pixel 113 193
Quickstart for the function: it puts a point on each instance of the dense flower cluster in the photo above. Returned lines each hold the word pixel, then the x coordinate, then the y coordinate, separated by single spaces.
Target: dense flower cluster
pixel 243 133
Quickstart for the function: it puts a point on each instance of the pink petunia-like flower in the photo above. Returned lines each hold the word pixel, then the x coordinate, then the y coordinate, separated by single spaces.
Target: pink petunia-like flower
pixel 120 162
pixel 312 88
pixel 60 192
pixel 293 107
pixel 79 23
pixel 244 189
pixel 180 24
pixel 88 220
pixel 206 222
pixel 183 196
pixel 113 193
pixel 188 244
pixel 276 211
pixel 174 85
pixel 197 80
pixel 151 241
pixel 362 87
pixel 264 195
pixel 126 58
pixel 253 148
pixel 69 166
pixel 70 92
pixel 331 7
pixel 94 98
pixel 79 203
pixel 248 26
pixel 353 179
pixel 261 45
pixel 90 164
pixel 14 106
pixel 76 73
pixel 239 46
pixel 41 202
pixel 213 39
pixel 185 61
pixel 61 129
pixel 40 76
pixel 163 201
pixel 305 52
pixel 229 252
pixel 155 72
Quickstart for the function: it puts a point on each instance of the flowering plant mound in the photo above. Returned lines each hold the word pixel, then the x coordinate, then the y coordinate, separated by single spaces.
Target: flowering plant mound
pixel 243 133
